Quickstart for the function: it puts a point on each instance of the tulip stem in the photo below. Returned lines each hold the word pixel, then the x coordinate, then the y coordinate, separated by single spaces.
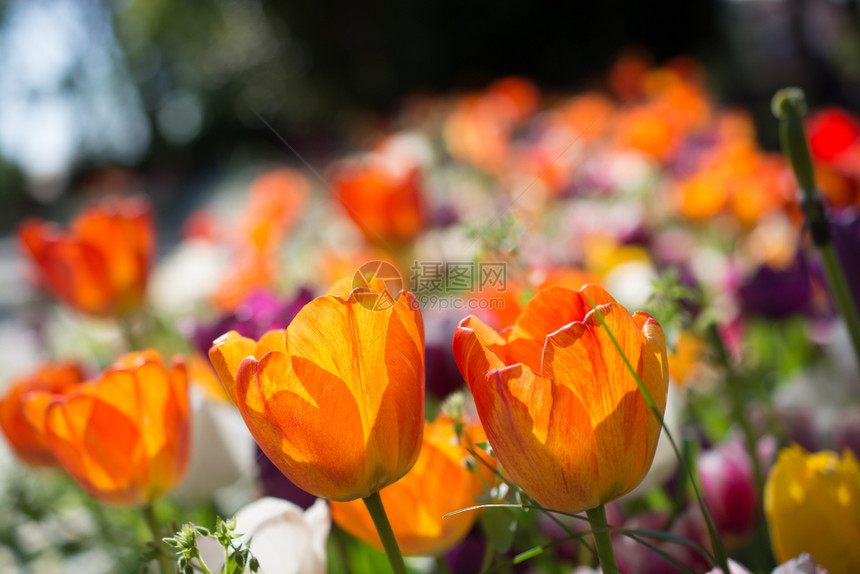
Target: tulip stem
pixel 487 559
pixel 152 522
pixel 789 105
pixel 600 530
pixel 386 534
pixel 129 333
pixel 738 403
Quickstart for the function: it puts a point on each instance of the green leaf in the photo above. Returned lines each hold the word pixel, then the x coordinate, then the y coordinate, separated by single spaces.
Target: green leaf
pixel 500 525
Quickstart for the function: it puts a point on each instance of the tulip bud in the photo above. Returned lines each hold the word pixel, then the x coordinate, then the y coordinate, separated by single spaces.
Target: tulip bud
pixel 728 486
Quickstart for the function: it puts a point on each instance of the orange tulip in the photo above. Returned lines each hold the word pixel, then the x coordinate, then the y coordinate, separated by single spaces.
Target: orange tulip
pixel 439 483
pixel 26 440
pixel 275 201
pixel 338 403
pixel 124 438
pixel 100 265
pixel 562 411
pixel 385 201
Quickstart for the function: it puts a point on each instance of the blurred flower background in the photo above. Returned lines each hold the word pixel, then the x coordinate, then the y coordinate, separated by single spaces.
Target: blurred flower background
pixel 171 172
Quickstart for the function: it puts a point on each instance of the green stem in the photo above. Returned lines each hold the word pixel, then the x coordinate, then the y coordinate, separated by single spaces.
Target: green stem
pixel 738 404
pixel 841 293
pixel 386 535
pixel 789 105
pixel 152 522
pixel 739 408
pixel 600 530
pixel 129 334
pixel 487 559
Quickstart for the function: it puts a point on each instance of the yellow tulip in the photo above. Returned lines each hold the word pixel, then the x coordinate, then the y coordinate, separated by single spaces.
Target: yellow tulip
pixel 812 504
pixel 337 400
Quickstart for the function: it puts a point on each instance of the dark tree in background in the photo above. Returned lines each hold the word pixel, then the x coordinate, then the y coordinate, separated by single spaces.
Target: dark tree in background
pixel 199 78
pixel 371 54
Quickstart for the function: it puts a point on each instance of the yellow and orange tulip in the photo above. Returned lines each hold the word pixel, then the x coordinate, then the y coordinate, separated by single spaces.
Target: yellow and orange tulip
pixel 124 437
pixel 27 439
pixel 338 403
pixel 101 264
pixel 560 407
pixel 438 484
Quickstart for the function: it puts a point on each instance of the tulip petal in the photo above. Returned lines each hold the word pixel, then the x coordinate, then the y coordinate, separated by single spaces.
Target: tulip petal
pixel 231 348
pixel 542 435
pixel 653 368
pixel 162 396
pixel 126 240
pixel 583 357
pixel 379 360
pixel 478 349
pixel 548 311
pixel 78 274
pixel 291 417
pixel 24 405
pixel 76 429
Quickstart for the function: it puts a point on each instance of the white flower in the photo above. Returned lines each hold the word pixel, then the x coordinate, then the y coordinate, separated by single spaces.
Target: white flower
pixel 188 276
pixel 222 450
pixel 803 564
pixel 734 568
pixel 283 538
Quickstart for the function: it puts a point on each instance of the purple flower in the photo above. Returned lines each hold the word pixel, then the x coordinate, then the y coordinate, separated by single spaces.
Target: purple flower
pixel 467 556
pixel 442 374
pixel 258 314
pixel 279 486
pixel 777 293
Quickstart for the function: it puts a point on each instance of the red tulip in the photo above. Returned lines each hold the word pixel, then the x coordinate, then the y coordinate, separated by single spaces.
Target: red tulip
pixel 101 264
